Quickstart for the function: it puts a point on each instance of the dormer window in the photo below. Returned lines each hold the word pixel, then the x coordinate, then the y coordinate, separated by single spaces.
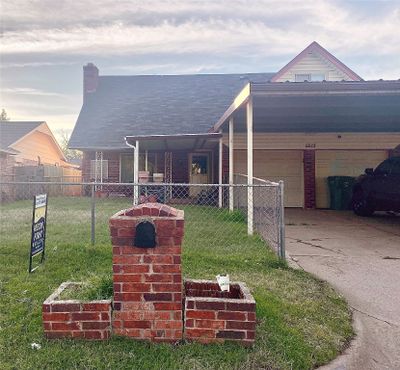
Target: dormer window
pixel 309 77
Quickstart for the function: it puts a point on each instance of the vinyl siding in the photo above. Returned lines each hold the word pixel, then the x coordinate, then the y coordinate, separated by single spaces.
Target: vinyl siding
pixel 37 144
pixel 314 63
pixel 324 141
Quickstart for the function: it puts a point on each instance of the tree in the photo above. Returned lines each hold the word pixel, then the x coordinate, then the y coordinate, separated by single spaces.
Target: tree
pixel 4 116
pixel 70 154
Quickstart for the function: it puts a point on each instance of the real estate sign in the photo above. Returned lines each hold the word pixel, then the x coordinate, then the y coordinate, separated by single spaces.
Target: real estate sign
pixel 38 238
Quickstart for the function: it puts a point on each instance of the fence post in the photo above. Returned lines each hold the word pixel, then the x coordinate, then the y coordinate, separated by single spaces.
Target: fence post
pixel 93 215
pixel 281 220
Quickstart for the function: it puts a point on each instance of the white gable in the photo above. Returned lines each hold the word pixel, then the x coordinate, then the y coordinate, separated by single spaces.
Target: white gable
pixel 315 64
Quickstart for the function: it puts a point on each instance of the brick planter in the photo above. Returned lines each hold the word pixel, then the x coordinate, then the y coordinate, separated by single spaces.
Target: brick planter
pixel 74 318
pixel 148 280
pixel 215 316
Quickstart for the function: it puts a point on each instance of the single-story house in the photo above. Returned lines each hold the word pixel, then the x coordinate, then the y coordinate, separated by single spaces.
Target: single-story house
pixel 31 143
pixel 312 119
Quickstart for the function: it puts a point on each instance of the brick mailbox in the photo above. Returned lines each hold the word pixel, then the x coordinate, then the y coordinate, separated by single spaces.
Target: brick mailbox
pixel 150 301
pixel 147 272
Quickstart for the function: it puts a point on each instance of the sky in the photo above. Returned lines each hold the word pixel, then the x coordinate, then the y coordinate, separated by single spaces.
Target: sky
pixel 45 43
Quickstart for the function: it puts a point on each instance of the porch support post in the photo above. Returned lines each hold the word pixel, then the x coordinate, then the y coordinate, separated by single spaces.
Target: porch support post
pixel 136 175
pixel 231 163
pixel 220 189
pixel 250 204
pixel 146 160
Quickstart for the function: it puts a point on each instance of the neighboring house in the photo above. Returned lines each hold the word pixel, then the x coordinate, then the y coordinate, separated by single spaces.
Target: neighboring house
pixel 313 119
pixel 31 143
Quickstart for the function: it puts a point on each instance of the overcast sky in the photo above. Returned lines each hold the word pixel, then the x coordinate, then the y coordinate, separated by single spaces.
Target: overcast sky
pixel 45 43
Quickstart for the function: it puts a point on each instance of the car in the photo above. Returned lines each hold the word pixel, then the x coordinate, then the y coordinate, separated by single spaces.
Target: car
pixel 379 189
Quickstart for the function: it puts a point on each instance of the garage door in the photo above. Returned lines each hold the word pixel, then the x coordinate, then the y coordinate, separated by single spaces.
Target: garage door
pixel 275 165
pixel 341 163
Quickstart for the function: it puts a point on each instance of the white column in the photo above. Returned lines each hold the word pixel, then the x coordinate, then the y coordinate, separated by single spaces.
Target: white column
pixel 220 154
pixel 231 163
pixel 136 174
pixel 250 204
pixel 146 160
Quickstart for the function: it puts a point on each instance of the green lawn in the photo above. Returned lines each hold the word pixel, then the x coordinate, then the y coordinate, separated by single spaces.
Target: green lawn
pixel 302 322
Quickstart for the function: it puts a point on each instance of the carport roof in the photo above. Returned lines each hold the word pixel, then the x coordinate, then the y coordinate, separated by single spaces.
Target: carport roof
pixel 362 106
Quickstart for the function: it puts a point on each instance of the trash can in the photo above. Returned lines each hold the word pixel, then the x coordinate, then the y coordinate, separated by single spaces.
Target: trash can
pixel 346 184
pixel 340 191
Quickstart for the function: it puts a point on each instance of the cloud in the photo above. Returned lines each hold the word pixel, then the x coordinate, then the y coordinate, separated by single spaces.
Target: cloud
pixel 5 65
pixel 264 27
pixel 30 91
pixel 44 43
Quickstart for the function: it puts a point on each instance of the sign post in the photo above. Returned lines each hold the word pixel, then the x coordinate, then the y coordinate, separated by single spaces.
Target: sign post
pixel 38 237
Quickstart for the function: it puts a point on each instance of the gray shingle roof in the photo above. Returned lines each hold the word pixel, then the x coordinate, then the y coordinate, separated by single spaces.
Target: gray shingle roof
pixel 362 106
pixel 11 131
pixel 155 105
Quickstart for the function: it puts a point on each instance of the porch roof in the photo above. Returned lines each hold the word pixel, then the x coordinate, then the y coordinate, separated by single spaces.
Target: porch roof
pixel 175 142
pixel 361 106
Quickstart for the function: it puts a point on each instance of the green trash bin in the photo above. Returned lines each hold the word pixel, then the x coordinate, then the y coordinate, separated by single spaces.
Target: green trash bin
pixel 334 193
pixel 346 184
pixel 340 191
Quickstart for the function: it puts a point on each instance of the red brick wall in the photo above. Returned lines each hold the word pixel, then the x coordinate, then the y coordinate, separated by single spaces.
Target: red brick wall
pixel 76 319
pixel 148 281
pixel 218 319
pixel 225 164
pixel 309 179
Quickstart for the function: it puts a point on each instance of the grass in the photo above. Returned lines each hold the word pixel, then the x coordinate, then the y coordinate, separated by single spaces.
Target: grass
pixel 302 322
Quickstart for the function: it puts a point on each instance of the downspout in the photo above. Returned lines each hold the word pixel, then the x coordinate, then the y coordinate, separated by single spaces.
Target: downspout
pixel 135 171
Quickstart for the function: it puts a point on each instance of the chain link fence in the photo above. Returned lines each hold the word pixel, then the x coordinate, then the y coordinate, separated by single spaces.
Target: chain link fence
pixel 214 214
pixel 262 203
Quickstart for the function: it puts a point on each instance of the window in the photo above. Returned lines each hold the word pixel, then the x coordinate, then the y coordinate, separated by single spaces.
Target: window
pixel 390 166
pixel 314 77
pixel 302 77
pixel 384 168
pixel 317 77
pixel 95 173
pixel 127 165
pixel 151 162
pixel 396 166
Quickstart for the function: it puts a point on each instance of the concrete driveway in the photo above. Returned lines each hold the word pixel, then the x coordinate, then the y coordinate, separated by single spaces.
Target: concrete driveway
pixel 360 257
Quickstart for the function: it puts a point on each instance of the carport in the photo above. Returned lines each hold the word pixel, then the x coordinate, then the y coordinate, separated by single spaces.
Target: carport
pixel 305 132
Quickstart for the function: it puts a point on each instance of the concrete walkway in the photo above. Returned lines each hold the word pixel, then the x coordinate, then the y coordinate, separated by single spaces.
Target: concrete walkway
pixel 360 257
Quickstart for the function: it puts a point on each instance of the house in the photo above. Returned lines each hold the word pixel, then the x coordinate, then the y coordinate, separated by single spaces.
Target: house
pixel 31 143
pixel 30 152
pixel 312 119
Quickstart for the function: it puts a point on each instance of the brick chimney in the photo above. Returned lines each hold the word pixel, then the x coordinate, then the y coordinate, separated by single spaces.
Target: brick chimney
pixel 90 79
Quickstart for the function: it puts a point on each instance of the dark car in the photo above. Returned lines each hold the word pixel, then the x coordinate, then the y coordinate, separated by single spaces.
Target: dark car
pixel 379 189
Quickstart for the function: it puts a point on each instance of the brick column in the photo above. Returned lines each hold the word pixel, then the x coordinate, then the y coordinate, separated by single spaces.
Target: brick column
pixel 309 179
pixel 148 281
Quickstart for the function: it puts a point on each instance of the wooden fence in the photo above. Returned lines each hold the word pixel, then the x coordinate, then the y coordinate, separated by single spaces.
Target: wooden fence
pixel 43 173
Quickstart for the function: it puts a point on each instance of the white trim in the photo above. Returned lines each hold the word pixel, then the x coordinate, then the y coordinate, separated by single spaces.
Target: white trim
pixel 250 167
pixel 220 152
pixel 119 172
pixel 231 152
pixel 136 175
